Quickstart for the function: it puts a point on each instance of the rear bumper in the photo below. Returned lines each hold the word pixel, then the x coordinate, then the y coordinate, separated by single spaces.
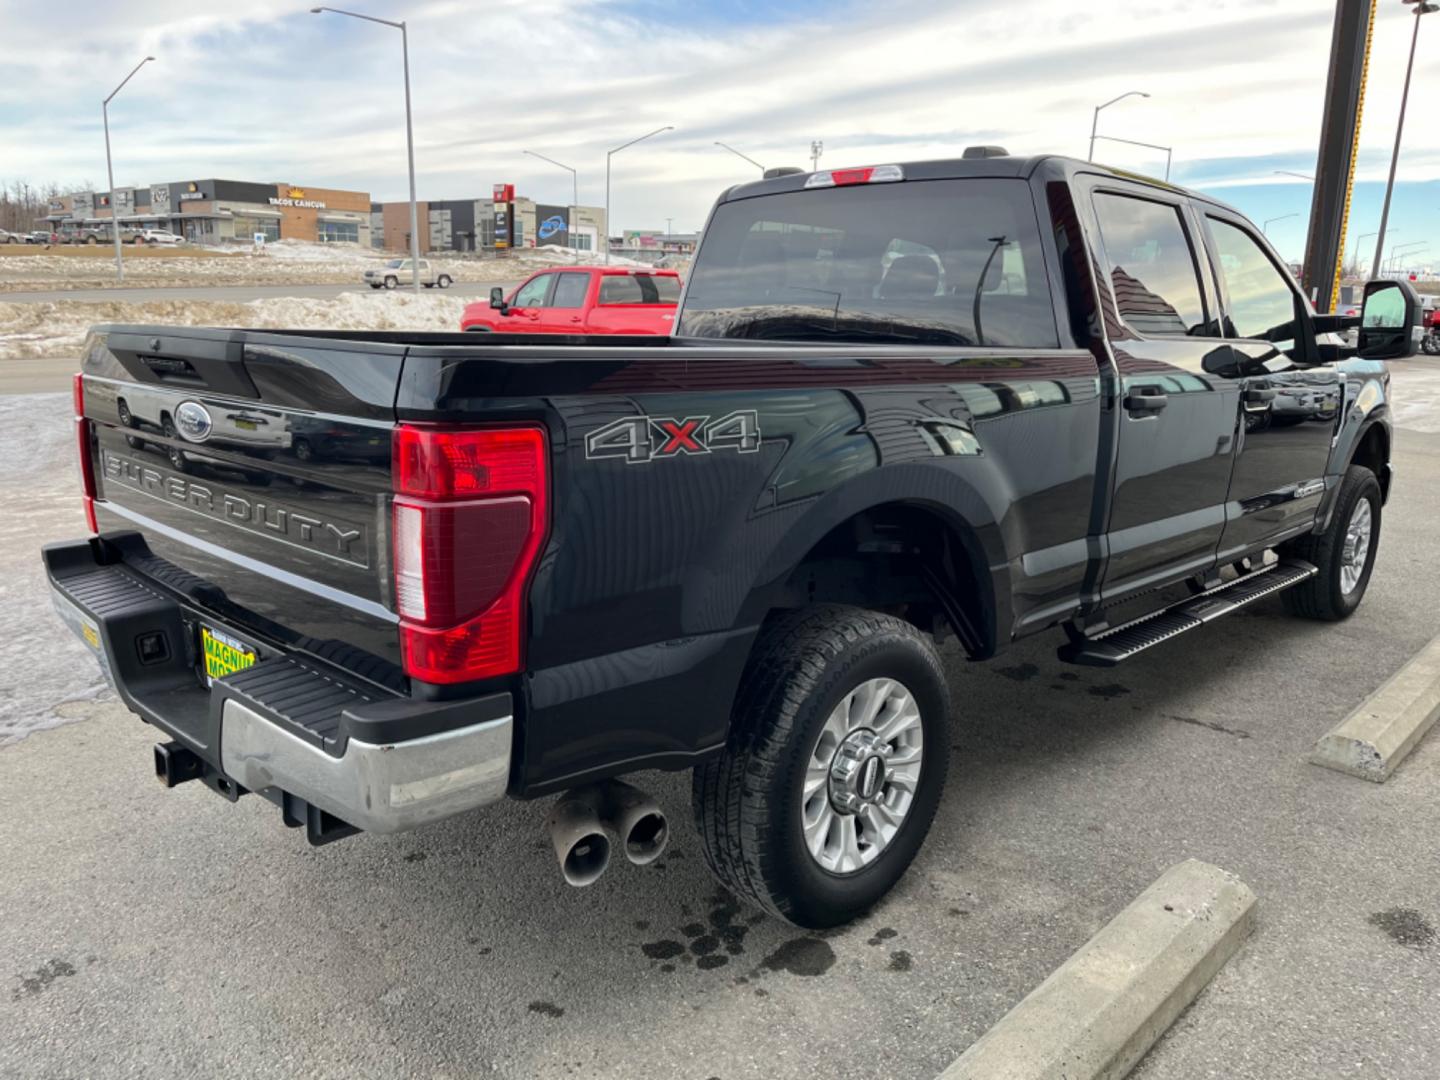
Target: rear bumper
pixel 318 744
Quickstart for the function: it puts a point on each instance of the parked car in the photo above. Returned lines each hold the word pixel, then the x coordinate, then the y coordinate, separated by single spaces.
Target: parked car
pixel 581 300
pixel 398 272
pixel 8 237
pixel 42 236
pixel 731 549
pixel 155 237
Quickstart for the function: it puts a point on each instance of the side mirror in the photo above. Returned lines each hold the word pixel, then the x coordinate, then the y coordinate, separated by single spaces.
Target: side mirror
pixel 497 299
pixel 1389 320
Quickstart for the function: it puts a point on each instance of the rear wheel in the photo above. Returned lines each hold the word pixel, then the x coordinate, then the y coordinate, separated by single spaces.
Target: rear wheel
pixel 1344 552
pixel 834 768
pixel 444 281
pixel 391 281
pixel 177 457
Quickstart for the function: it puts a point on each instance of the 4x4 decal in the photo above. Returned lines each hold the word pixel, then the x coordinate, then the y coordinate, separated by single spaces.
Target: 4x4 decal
pixel 642 439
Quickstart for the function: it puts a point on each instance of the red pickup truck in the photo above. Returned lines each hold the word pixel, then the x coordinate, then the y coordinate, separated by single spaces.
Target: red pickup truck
pixel 581 300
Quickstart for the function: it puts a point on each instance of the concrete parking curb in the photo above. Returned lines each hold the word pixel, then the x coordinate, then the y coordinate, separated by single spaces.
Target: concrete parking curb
pixel 1098 1013
pixel 1378 735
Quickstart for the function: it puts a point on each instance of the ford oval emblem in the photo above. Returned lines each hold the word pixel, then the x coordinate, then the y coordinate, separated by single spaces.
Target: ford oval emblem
pixel 193 422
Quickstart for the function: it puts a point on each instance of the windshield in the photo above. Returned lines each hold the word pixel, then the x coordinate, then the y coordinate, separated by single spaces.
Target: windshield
pixel 394 264
pixel 952 262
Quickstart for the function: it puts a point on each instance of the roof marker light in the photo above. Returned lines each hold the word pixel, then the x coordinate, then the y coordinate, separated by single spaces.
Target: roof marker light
pixel 870 174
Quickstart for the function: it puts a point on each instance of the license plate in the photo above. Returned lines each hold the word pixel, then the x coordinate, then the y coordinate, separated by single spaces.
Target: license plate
pixel 246 425
pixel 223 654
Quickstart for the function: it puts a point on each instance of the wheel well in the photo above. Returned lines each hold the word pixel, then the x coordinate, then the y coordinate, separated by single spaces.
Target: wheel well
pixel 906 560
pixel 1373 452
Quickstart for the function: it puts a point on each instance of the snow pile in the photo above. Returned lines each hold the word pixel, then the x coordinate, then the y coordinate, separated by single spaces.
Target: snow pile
pixel 308 251
pixel 57 329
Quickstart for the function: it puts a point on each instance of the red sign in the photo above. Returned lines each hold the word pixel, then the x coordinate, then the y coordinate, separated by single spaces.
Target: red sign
pixel 505 193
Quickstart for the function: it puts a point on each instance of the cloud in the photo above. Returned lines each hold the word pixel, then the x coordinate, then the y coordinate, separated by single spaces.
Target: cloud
pixel 266 91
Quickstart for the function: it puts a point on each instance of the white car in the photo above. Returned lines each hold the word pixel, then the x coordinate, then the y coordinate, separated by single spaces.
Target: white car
pixel 398 272
pixel 157 236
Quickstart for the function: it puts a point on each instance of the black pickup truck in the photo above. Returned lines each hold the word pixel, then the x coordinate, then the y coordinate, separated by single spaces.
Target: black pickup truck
pixel 383 578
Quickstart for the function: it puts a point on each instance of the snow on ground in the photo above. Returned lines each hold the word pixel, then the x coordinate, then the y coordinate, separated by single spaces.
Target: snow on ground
pixel 58 328
pixel 286 262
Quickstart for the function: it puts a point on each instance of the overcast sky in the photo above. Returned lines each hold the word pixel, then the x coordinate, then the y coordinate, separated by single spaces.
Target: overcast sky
pixel 266 91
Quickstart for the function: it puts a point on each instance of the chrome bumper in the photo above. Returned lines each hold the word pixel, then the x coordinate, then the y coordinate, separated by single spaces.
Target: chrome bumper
pixel 378 787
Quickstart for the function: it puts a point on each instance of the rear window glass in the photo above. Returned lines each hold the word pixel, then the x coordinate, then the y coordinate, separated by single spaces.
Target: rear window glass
pixel 639 289
pixel 1157 287
pixel 948 262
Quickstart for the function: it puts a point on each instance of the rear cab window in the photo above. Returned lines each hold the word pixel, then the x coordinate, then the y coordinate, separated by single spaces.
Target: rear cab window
pixel 1152 266
pixel 639 289
pixel 941 262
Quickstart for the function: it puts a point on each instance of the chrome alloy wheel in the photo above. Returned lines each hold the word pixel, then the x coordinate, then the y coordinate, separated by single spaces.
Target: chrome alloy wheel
pixel 1357 547
pixel 861 778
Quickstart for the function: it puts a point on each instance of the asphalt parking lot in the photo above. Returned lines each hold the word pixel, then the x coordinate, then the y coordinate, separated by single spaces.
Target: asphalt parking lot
pixel 153 933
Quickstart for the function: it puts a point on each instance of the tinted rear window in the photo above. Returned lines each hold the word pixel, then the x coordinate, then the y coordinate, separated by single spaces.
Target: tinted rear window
pixel 948 262
pixel 639 289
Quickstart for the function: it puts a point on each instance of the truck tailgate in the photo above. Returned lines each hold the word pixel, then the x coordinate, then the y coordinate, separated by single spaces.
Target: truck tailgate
pixel 252 472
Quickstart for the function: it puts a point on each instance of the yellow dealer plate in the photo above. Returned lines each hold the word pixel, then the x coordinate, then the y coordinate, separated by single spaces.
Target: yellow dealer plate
pixel 223 654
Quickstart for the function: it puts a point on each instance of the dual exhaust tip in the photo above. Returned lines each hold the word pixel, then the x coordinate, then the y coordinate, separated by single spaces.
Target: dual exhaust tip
pixel 586 823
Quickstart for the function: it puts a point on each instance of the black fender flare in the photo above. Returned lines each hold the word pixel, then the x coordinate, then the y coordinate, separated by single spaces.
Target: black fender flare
pixel 953 499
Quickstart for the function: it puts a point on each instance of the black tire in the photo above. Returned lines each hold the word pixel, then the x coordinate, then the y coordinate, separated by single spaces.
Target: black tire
pixel 1430 343
pixel 1324 596
pixel 127 419
pixel 444 281
pixel 391 281
pixel 375 285
pixel 478 330
pixel 92 240
pixel 748 800
pixel 302 449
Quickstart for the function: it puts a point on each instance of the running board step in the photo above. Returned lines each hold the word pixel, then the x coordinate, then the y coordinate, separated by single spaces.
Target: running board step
pixel 1119 643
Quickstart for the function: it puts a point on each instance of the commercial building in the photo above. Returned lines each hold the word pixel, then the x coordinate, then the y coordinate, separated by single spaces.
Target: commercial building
pixel 215 211
pixel 471 225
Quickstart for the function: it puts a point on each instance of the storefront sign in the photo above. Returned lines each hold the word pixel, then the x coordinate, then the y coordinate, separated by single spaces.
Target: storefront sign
pixel 192 191
pixel 504 193
pixel 552 225
pixel 160 198
pixel 296 197
pixel 82 204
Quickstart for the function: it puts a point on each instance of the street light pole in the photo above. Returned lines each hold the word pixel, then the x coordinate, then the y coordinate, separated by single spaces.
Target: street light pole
pixel 1095 120
pixel 1396 249
pixel 110 169
pixel 608 155
pixel 1424 7
pixel 409 131
pixel 816 149
pixel 1265 227
pixel 574 198
pixel 737 153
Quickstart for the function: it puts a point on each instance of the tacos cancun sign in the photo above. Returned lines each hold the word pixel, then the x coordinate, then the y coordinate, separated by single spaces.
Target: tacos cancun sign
pixel 296 197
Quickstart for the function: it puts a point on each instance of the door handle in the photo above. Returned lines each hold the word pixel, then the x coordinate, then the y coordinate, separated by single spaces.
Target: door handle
pixel 1146 403
pixel 1260 395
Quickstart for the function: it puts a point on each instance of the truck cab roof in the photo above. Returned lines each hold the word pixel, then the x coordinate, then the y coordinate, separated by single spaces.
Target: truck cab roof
pixel 995 166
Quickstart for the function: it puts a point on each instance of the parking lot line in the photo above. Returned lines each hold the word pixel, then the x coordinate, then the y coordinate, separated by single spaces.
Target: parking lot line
pixel 1387 725
pixel 1101 1010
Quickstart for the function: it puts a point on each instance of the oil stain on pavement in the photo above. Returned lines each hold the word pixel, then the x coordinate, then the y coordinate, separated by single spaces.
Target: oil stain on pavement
pixel 42 978
pixel 1405 926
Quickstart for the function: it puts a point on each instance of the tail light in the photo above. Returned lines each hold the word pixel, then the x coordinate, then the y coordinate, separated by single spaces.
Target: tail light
pixel 470 516
pixel 870 174
pixel 82 441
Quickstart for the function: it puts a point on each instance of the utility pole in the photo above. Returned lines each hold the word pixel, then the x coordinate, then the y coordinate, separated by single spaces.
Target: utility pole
pixel 816 149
